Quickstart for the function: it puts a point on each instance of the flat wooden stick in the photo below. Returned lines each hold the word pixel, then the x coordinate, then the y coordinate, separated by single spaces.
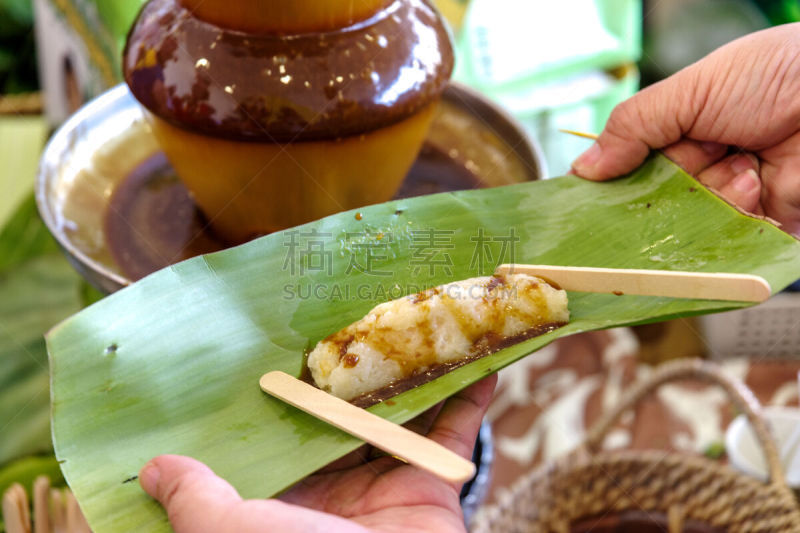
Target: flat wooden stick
pixel 16 515
pixel 695 285
pixel 389 437
pixel 59 511
pixel 41 505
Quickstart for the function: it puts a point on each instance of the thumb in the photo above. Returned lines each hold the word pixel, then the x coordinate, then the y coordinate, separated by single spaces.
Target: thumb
pixel 655 117
pixel 194 497
pixel 197 501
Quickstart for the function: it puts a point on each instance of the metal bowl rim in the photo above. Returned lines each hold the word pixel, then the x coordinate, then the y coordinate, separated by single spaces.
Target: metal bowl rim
pixel 43 180
pixel 102 277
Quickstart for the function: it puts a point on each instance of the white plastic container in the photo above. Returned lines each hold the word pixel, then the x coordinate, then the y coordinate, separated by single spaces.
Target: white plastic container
pixel 745 453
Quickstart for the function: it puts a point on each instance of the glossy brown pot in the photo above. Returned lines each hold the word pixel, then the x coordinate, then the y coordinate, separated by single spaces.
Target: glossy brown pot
pixel 275 114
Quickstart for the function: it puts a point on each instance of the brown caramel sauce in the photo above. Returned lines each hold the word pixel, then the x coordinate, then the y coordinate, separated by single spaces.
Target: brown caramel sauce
pixel 485 346
pixel 152 221
pixel 418 340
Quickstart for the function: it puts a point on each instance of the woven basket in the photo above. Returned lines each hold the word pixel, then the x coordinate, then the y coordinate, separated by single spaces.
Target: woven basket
pixel 682 488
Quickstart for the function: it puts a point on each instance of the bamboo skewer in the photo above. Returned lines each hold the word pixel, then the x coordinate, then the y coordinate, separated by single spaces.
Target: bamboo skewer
pixel 667 283
pixel 387 436
pixel 580 134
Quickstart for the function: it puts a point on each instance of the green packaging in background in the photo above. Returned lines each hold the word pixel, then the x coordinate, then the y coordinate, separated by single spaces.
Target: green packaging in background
pixel 553 65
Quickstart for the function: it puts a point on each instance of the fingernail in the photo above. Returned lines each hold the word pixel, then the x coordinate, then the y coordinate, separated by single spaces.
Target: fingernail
pixel 746 181
pixel 588 158
pixel 711 147
pixel 148 478
pixel 742 164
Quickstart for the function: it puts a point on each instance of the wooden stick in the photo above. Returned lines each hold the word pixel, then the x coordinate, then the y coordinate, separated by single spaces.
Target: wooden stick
pixel 16 515
pixel 389 437
pixel 41 505
pixel 696 285
pixel 580 134
pixel 59 511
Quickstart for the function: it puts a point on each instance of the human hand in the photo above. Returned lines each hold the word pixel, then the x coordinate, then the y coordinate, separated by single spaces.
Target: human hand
pixel 349 496
pixel 732 119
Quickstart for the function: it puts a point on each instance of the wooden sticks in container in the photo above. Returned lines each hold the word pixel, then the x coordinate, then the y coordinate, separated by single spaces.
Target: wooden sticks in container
pixel 54 510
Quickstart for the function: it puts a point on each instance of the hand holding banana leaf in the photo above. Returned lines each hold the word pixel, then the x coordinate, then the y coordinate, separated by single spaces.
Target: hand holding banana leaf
pixel 353 495
pixel 170 364
pixel 731 119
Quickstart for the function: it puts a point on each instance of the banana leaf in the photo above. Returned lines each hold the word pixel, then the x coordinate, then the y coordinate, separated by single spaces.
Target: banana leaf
pixel 33 297
pixel 24 237
pixel 171 364
pixel 38 289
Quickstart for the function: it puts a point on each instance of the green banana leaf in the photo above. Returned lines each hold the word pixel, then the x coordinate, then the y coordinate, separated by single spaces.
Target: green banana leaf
pixel 25 237
pixel 171 364
pixel 38 289
pixel 32 299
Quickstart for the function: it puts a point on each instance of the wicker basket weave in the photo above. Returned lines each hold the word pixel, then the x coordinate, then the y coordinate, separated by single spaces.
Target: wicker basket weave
pixel 684 488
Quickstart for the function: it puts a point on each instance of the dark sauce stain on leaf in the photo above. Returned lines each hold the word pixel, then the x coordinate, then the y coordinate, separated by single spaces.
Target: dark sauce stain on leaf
pixel 618 293
pixel 692 189
pixel 111 349
pixel 130 479
pixel 492 345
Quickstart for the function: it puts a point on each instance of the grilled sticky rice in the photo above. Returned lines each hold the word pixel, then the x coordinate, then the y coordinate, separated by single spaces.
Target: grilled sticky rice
pixel 410 335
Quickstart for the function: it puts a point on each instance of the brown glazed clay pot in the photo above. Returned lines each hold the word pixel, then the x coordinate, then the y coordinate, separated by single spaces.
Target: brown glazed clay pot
pixel 277 113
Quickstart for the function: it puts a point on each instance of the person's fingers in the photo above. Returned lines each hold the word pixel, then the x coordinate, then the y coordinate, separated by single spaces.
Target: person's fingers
pixel 197 501
pixel 458 423
pixel 655 117
pixel 744 191
pixel 719 175
pixel 352 459
pixel 422 424
pixel 694 156
pixel 780 171
pixel 194 497
pixel 736 179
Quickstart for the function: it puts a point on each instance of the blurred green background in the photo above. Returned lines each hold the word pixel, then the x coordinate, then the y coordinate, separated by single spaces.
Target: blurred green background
pixel 551 64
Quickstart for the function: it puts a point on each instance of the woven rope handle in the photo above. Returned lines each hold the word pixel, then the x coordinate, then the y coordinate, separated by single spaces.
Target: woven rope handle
pixel 738 393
